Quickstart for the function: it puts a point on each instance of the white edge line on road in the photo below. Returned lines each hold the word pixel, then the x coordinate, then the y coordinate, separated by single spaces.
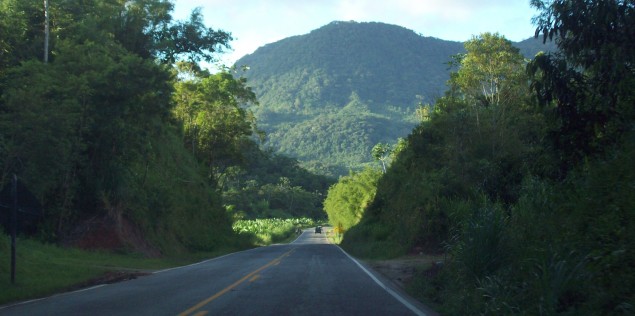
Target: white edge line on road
pixel 202 262
pixel 302 233
pixel 212 259
pixel 102 285
pixel 155 272
pixel 52 296
pixel 223 256
pixel 389 290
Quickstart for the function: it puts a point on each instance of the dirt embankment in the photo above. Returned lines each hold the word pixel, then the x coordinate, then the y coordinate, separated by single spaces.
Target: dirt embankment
pixel 110 233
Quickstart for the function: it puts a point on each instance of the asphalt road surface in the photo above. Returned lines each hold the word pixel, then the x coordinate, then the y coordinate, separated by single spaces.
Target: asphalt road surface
pixel 307 277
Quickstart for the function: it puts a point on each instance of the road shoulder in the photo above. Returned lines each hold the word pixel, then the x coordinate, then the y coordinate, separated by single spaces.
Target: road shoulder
pixel 392 288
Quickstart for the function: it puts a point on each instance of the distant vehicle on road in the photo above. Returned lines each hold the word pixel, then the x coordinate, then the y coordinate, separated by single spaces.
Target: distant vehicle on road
pixel 318 229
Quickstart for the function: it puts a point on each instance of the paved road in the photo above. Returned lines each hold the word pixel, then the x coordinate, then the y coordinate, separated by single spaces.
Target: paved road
pixel 306 277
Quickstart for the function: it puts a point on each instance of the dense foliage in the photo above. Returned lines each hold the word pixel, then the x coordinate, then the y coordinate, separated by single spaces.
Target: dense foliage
pixel 217 127
pixel 122 138
pixel 215 124
pixel 329 96
pixel 522 175
pixel 349 197
pixel 271 230
pixel 91 132
pixel 246 197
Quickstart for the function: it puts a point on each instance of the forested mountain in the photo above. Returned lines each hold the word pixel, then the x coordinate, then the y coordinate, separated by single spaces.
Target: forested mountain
pixel 328 96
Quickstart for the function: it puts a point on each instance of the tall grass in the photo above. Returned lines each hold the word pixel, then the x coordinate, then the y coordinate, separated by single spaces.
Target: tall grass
pixel 480 248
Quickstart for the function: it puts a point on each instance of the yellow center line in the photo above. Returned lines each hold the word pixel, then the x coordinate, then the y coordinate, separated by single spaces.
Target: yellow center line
pixel 235 284
pixel 254 278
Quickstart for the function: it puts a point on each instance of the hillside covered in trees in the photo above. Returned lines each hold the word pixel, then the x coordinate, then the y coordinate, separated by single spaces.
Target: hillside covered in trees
pixel 108 122
pixel 521 178
pixel 329 96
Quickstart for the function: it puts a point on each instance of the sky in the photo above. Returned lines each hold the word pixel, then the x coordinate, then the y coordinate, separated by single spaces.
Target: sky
pixel 254 23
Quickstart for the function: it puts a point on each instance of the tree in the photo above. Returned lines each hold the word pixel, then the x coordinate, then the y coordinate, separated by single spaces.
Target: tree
pixel 491 73
pixel 216 124
pixel 46 31
pixel 92 132
pixel 20 32
pixel 348 199
pixel 190 41
pixel 588 82
pixel 490 70
pixel 381 152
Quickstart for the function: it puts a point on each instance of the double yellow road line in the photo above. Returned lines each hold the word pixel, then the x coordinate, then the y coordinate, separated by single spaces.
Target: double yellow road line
pixel 251 276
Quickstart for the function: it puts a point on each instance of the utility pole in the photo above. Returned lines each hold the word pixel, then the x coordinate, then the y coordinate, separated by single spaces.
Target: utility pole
pixel 46 31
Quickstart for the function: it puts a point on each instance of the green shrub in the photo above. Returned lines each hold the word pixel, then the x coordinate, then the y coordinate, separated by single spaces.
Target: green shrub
pixel 270 230
pixel 348 199
pixel 481 249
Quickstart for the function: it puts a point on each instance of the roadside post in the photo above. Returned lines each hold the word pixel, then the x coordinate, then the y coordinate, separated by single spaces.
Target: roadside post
pixel 19 210
pixel 14 223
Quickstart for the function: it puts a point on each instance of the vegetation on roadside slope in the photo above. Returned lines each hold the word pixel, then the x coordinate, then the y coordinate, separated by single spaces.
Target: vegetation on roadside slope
pixel 125 142
pixel 522 175
pixel 92 132
pixel 349 197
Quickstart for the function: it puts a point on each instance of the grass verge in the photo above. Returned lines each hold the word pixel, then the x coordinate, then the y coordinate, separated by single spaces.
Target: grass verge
pixel 43 270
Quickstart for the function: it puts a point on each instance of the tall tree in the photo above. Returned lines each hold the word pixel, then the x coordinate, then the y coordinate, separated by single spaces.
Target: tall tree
pixel 381 152
pixel 216 124
pixel 348 199
pixel 46 31
pixel 589 81
pixel 490 73
pixel 490 70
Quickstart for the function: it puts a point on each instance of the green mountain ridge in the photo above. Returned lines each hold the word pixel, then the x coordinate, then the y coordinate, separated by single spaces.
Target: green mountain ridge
pixel 328 96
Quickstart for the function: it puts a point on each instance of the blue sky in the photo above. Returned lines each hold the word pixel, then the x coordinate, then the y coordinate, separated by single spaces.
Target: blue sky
pixel 254 23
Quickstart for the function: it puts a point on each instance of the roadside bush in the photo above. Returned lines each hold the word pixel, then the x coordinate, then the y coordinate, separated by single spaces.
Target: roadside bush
pixel 270 230
pixel 348 199
pixel 481 249
pixel 382 247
